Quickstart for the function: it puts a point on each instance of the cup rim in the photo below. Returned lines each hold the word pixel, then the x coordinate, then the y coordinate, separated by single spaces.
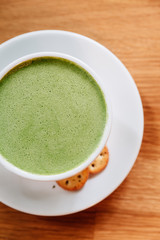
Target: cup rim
pixel 54 177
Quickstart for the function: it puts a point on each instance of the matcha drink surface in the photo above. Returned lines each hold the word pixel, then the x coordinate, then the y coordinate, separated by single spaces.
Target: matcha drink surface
pixel 52 116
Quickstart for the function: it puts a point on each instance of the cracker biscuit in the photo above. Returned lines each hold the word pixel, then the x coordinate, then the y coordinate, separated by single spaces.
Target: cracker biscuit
pixel 75 182
pixel 100 162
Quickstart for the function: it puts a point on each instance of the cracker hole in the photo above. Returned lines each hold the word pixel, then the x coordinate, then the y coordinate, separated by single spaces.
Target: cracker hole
pixel 67 182
pixel 79 176
pixel 93 165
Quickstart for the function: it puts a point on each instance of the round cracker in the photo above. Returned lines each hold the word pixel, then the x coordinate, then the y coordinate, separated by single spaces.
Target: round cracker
pixel 100 162
pixel 75 182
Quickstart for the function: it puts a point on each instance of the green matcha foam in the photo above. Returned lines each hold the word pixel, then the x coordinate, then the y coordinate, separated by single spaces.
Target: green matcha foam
pixel 52 115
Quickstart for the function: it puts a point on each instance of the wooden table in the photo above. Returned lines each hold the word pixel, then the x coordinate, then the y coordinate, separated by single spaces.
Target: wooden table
pixel 131 30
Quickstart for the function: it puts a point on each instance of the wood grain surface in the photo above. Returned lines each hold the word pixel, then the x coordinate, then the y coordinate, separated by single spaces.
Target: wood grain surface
pixel 131 30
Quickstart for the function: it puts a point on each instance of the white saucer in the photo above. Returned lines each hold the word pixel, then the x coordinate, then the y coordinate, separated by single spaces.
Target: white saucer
pixel 124 142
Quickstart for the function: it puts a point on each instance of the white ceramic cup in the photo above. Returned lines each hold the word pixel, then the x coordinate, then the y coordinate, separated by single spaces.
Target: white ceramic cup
pixel 104 137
